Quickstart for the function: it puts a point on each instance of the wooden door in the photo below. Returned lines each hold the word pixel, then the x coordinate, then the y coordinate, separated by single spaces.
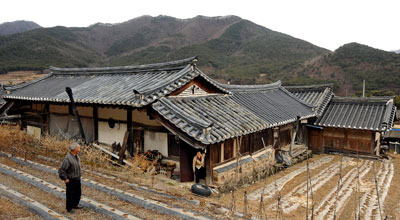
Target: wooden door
pixel 186 156
pixel 315 140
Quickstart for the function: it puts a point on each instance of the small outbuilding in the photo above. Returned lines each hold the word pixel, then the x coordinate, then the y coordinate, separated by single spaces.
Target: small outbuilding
pixel 353 125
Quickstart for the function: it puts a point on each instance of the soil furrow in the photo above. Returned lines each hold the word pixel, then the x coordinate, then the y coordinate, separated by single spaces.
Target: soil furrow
pixel 270 190
pixel 326 208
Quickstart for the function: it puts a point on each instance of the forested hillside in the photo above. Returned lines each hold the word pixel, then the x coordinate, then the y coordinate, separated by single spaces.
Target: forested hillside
pixel 229 49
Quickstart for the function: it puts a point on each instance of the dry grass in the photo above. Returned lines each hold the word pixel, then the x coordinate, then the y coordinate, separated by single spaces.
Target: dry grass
pixel 17 77
pixel 18 142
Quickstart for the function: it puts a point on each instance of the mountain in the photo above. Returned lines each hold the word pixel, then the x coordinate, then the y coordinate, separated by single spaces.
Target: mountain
pixel 396 51
pixel 14 27
pixel 352 63
pixel 40 48
pixel 229 48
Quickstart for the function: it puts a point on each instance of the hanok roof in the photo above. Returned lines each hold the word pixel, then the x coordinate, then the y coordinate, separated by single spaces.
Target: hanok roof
pixel 317 95
pixel 375 114
pixel 215 118
pixel 128 85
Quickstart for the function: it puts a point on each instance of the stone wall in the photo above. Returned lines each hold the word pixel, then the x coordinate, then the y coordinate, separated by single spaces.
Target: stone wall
pixel 251 168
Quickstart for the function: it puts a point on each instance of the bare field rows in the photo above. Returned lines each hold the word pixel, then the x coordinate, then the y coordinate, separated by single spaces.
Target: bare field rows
pixel 357 189
pixel 357 194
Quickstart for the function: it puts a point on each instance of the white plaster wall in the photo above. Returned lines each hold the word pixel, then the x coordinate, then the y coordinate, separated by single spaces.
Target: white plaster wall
pixel 109 135
pixel 156 141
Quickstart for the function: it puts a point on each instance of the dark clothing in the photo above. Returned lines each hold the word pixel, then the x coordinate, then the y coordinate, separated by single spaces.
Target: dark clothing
pixel 70 167
pixel 73 193
pixel 197 174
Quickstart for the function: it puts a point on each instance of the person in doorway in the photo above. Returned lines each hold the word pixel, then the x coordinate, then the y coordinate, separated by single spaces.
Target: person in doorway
pixel 70 172
pixel 198 163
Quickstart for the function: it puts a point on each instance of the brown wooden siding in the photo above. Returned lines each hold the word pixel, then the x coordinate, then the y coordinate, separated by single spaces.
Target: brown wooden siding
pixel 342 140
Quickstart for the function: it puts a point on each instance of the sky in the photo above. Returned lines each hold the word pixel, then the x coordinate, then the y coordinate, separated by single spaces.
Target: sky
pixel 325 23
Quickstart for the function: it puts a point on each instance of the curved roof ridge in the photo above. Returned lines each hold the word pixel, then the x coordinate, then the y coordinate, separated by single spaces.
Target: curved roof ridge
pixel 312 86
pixel 22 85
pixel 136 68
pixel 212 81
pixel 250 88
pixel 365 99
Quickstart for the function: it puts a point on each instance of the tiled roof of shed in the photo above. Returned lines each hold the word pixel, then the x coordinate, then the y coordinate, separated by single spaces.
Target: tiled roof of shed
pixel 376 114
pixel 235 114
pixel 111 85
pixel 317 95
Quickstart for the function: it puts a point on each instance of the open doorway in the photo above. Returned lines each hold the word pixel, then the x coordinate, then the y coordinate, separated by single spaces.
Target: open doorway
pixel 187 153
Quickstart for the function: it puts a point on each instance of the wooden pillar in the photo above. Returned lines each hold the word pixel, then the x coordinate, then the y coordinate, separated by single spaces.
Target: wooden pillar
pixel 209 177
pixel 96 123
pixel 129 129
pixel 47 118
pixel 235 147
pixel 346 139
pixel 222 153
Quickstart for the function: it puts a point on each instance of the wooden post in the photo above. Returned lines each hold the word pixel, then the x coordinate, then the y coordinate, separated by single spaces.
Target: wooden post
pixel 234 147
pixel 209 177
pixel 96 123
pixel 222 153
pixel 129 126
pixel 123 148
pixel 47 118
pixel 346 140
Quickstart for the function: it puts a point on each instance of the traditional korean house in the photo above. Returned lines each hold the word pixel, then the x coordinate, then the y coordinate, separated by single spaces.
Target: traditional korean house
pixel 171 107
pixel 354 125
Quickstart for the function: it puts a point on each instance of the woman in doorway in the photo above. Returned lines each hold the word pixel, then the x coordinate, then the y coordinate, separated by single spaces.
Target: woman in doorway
pixel 198 163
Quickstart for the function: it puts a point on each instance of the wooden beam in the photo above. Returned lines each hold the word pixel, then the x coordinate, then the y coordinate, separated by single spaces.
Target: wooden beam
pixel 110 153
pixel 123 148
pixel 183 88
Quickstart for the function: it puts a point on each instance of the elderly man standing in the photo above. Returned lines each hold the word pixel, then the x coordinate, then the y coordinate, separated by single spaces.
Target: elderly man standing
pixel 70 172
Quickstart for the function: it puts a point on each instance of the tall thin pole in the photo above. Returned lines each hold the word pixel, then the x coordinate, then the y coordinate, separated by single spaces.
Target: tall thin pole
pixel 377 191
pixel 71 98
pixel 363 88
pixel 338 186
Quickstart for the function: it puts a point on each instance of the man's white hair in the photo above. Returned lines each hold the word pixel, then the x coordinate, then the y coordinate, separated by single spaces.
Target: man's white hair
pixel 73 146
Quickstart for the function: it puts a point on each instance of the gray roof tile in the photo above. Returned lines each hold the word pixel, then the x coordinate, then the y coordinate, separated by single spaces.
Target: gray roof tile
pixel 317 95
pixel 376 114
pixel 243 111
pixel 111 85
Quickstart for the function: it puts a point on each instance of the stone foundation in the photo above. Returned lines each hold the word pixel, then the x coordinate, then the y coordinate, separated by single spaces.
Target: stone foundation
pixel 252 168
